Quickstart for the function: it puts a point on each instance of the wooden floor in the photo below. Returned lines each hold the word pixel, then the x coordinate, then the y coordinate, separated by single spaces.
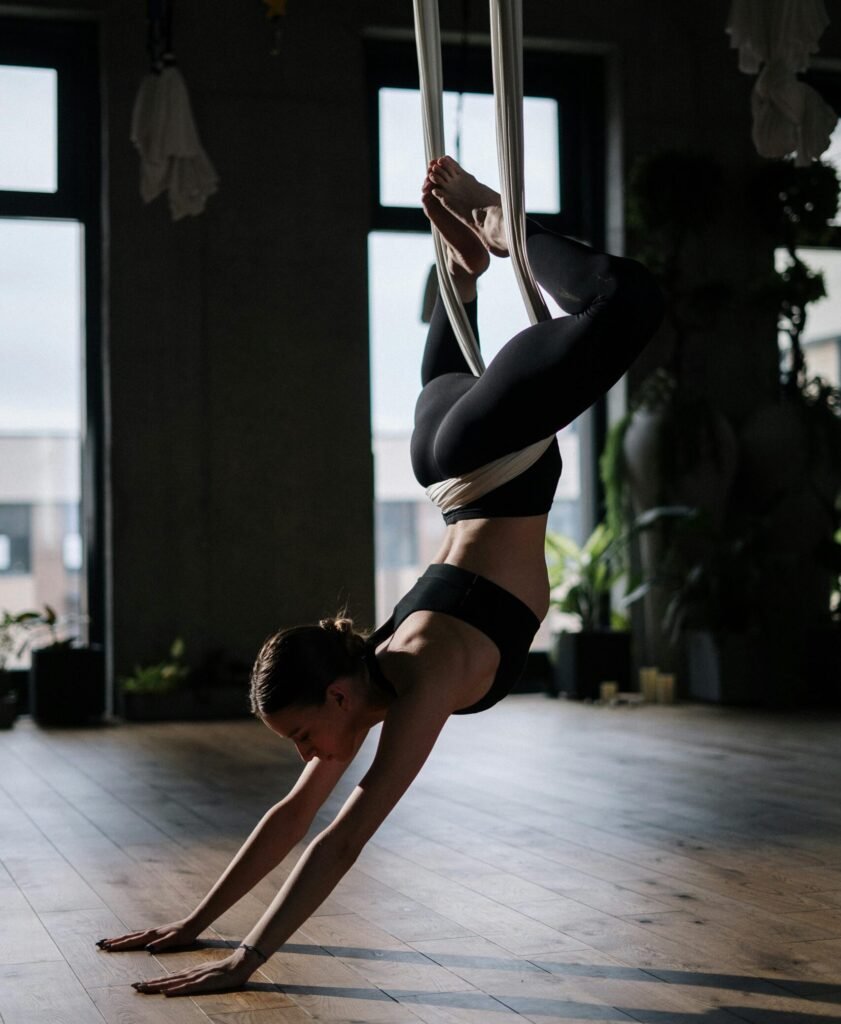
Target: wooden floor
pixel 553 862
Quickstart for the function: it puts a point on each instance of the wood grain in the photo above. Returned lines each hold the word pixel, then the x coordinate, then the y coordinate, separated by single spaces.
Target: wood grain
pixel 553 862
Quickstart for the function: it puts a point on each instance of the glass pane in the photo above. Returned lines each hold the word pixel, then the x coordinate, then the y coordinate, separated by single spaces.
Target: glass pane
pixel 41 326
pixel 401 146
pixel 821 340
pixel 399 264
pixel 833 156
pixel 28 139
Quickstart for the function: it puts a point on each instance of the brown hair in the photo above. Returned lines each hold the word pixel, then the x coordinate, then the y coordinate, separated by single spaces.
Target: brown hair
pixel 296 665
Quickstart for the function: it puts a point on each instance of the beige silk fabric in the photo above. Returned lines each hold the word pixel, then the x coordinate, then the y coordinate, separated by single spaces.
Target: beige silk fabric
pixel 507 56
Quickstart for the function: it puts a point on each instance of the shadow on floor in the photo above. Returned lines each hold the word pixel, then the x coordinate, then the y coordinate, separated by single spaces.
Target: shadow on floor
pixel 778 987
pixel 539 1006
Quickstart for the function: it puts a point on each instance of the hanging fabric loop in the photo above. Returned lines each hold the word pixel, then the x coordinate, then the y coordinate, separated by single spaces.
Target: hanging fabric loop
pixel 428 42
pixel 506 52
pixel 507 57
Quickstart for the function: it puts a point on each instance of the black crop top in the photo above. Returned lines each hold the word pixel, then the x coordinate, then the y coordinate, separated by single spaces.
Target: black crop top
pixel 464 595
pixel 529 494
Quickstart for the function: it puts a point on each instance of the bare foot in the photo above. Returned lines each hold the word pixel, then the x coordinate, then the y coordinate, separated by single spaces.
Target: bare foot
pixel 463 246
pixel 475 205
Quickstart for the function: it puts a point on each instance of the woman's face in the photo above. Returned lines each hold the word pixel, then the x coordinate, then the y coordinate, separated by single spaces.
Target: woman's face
pixel 328 731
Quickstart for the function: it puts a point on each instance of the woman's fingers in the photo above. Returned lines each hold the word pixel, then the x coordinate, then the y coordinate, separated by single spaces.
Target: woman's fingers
pixel 167 982
pixel 134 940
pixel 219 976
pixel 189 983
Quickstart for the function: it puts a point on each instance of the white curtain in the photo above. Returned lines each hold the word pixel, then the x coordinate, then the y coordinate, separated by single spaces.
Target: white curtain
pixel 775 39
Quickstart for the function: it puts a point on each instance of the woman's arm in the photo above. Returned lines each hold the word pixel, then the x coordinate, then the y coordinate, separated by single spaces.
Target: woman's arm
pixel 413 724
pixel 277 833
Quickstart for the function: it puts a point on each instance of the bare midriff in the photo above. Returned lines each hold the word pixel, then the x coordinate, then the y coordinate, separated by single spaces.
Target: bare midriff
pixel 508 551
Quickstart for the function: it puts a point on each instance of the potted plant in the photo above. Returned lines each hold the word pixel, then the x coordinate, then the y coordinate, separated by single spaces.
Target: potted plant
pixel 12 642
pixel 581 578
pixel 765 477
pixel 66 679
pixel 170 690
pixel 156 692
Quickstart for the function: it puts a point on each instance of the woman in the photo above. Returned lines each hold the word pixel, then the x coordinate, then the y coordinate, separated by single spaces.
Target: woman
pixel 458 641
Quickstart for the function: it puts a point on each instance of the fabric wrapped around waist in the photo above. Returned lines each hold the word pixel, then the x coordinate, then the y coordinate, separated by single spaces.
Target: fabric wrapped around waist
pixel 461 490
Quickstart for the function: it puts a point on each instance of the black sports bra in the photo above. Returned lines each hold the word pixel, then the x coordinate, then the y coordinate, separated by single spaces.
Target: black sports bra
pixel 501 616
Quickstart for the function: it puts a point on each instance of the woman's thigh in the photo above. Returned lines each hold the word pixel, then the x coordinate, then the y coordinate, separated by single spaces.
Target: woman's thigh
pixel 547 375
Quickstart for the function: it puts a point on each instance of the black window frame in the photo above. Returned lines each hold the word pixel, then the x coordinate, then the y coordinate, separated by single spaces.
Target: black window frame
pixel 576 81
pixel 72 48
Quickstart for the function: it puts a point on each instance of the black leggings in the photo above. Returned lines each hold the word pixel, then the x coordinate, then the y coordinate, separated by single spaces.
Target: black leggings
pixel 547 374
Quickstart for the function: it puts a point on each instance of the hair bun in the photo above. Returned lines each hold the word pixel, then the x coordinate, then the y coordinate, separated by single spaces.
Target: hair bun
pixel 342 628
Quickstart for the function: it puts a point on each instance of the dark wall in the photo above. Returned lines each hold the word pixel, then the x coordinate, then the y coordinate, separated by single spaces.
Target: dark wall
pixel 241 465
pixel 237 341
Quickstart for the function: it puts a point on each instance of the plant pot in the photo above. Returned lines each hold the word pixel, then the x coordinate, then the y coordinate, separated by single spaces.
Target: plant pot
pixel 8 701
pixel 723 667
pixel 822 666
pixel 14 687
pixel 583 661
pixel 67 685
pixel 186 705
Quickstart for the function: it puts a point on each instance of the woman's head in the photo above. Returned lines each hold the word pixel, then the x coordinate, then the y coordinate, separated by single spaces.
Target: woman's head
pixel 309 684
pixel 296 665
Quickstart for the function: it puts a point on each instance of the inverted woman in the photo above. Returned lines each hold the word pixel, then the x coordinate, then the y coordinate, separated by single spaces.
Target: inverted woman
pixel 458 641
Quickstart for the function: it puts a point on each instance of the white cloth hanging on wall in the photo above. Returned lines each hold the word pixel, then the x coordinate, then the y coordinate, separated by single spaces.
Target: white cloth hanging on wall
pixel 172 159
pixel 775 39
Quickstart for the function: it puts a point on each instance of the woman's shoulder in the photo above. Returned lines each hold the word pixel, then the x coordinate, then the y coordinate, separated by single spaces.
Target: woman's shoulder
pixel 432 650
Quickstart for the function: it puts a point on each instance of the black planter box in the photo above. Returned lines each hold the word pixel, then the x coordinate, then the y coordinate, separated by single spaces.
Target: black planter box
pixel 67 685
pixel 14 684
pixel 186 705
pixel 585 660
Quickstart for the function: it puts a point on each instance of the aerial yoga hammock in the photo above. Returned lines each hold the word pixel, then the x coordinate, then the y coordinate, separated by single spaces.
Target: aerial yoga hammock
pixel 484 443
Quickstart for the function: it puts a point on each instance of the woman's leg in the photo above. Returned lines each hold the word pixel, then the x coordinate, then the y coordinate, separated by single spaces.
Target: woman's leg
pixel 442 352
pixel 445 373
pixel 551 372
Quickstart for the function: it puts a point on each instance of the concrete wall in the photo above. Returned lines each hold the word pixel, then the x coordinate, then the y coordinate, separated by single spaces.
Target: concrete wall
pixel 238 369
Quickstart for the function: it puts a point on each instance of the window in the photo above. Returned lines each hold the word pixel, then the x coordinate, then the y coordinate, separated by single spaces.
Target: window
pixel 28 127
pixel 821 338
pixel 15 540
pixel 50 391
pixel 563 127
pixel 397 535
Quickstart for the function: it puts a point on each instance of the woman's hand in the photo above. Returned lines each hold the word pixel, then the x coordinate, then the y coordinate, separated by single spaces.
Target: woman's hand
pixel 218 976
pixel 157 940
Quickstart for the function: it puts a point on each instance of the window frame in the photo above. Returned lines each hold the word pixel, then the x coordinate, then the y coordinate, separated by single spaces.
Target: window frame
pixel 72 48
pixel 576 81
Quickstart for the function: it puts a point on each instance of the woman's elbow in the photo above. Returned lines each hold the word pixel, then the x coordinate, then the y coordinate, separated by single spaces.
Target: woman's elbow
pixel 341 846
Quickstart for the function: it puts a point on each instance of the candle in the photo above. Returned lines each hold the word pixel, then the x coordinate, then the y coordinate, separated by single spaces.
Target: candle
pixel 648 683
pixel 607 691
pixel 665 688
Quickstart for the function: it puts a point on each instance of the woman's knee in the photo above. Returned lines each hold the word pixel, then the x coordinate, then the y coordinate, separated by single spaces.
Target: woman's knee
pixel 636 294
